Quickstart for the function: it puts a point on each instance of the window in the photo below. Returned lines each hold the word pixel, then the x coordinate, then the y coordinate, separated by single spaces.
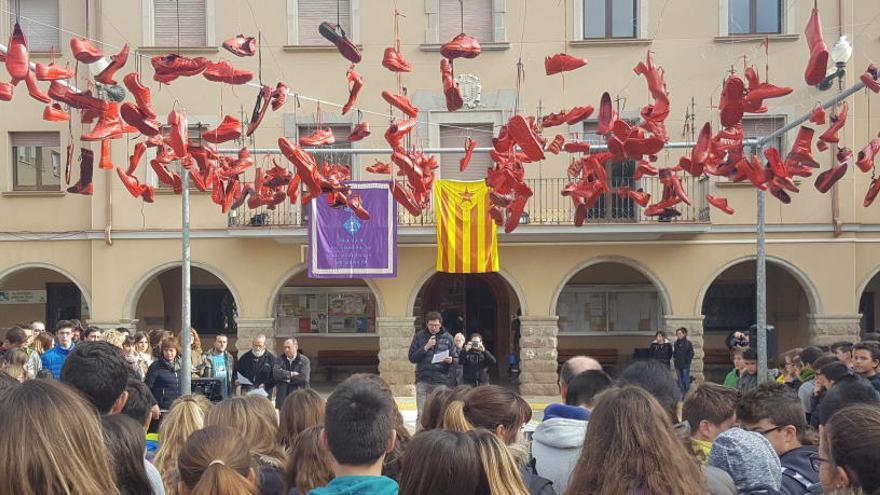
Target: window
pixel 608 308
pixel 341 132
pixel 213 311
pixel 729 306
pixel 611 207
pixel 610 19
pixel 758 127
pixel 38 21
pixel 478 19
pixel 180 23
pixel 453 136
pixel 36 161
pixel 323 310
pixel 754 16
pixel 311 13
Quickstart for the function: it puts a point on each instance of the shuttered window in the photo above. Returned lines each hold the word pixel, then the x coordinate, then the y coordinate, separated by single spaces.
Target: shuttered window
pixel 311 13
pixel 758 127
pixel 39 22
pixel 36 161
pixel 478 17
pixel 190 31
pixel 340 132
pixel 453 136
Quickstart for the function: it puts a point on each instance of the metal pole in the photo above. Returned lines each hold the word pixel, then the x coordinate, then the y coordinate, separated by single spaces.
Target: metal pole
pixel 761 285
pixel 185 325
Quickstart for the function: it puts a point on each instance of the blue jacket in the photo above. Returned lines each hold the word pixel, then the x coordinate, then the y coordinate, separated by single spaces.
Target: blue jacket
pixel 53 359
pixel 798 475
pixel 358 485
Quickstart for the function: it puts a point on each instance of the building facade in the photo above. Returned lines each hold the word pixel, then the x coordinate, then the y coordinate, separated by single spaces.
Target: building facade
pixel 604 288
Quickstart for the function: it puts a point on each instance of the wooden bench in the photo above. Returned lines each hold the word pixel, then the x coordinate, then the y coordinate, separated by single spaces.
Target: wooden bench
pixel 608 358
pixel 717 357
pixel 356 361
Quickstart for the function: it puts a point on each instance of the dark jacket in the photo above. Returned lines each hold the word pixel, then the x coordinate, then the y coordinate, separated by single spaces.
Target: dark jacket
pixel 682 353
pixel 535 484
pixel 661 352
pixel 256 369
pixel 426 371
pixel 163 378
pixel 476 366
pixel 290 375
pixel 875 381
pixel 798 475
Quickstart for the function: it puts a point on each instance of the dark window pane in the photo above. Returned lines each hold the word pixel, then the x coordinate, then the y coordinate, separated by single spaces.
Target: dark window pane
pixel 738 16
pixel 594 18
pixel 768 16
pixel 623 19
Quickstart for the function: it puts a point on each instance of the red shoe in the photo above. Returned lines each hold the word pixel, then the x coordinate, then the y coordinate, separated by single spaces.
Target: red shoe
pixel 293 188
pixel 241 46
pixel 562 62
pixel 264 98
pixel 393 60
pixel 169 67
pixel 356 82
pixel 354 202
pixel 279 95
pixel 17 57
pixel 758 91
pixel 818 115
pixel 654 76
pixel 553 119
pixel 828 178
pixel 515 210
pixel 607 115
pixel 166 176
pixel 523 135
pixel 866 156
pixel 228 130
pixel 131 183
pixel 801 151
pixel 306 169
pixel 224 72
pixel 870 78
pixel 462 46
pixel 644 168
pixel 117 62
pixel 817 66
pixel 141 93
pixel 319 137
pixel 576 147
pixel 134 116
pixel 218 192
pixel 106 161
pixel 134 160
pixel 401 103
pixel 5 91
pixel 451 89
pixel 84 51
pixel 360 131
pixel 334 34
pixel 873 189
pixel 403 194
pixel 84 184
pixel 54 113
pixel 640 197
pixel 36 93
pixel 379 168
pixel 781 195
pixel 837 123
pixel 577 114
pixel 109 125
pixel 178 136
pixel 667 177
pixel 397 131
pixel 555 146
pixel 53 72
pixel 731 105
pixel 469 146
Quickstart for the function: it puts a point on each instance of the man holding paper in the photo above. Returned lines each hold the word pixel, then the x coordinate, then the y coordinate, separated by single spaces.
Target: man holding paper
pixel 434 354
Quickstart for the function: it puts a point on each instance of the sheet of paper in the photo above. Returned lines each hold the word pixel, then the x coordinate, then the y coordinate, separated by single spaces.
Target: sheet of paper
pixel 439 357
pixel 242 380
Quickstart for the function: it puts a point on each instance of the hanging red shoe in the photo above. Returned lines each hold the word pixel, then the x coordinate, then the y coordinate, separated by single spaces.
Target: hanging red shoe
pixel 320 137
pixel 403 194
pixel 731 104
pixel 818 115
pixel 84 51
pixel 169 67
pixel 84 184
pixel 141 93
pixel 577 114
pixel 667 177
pixel 34 90
pixel 166 176
pixel 360 131
pixel 117 62
pixel 109 125
pixel 870 78
pixel 562 62
pixel 553 119
pixel 607 115
pixel 178 136
pixel 336 35
pixel 356 205
pixel 462 46
pixel 53 72
pixel 397 131
pixel 817 66
pixel 828 178
pixel 759 91
pixel 643 168
pixel 264 98
pixel 523 135
pixel 241 45
pixel 279 95
pixel 576 147
pixel 469 146
pixel 873 190
pixel 134 116
pixel 393 60
pixel 515 210
pixel 304 163
pixel 5 91
pixel 781 195
pixel 801 151
pixel 837 123
pixel 134 160
pixel 17 57
pixel 555 146
pixel 224 72
pixel 865 158
pixel 228 130
pixel 54 113
pixel 131 183
pixel 356 82
pixel 379 168
pixel 653 75
pixel 401 103
pixel 451 88
pixel 720 203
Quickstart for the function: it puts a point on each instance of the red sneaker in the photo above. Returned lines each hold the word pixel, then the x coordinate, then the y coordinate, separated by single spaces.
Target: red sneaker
pixel 866 156
pixel 817 66
pixel 462 46
pixel 320 137
pixel 224 72
pixel 279 95
pixel 523 135
pixel 228 130
pixel 53 72
pixel 562 62
pixel 401 103
pixel 360 131
pixel 84 51
pixel 84 184
pixel 117 62
pixel 397 131
pixel 54 113
pixel 17 57
pixel 334 34
pixel 393 60
pixel 241 45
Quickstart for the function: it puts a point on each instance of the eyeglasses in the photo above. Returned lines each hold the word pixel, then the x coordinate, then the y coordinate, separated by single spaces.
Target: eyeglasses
pixel 816 461
pixel 771 430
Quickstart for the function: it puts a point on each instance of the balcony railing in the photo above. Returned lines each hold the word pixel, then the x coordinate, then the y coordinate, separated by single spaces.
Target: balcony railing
pixel 546 207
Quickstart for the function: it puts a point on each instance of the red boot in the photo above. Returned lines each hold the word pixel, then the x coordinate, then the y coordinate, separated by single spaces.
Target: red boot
pixel 84 185
pixel 562 62
pixel 356 82
pixel 84 51
pixel 17 57
pixel 462 46
pixel 393 60
pixel 360 131
pixel 117 62
pixel 401 103
pixel 109 126
pixel 224 72
pixel 134 116
pixel 53 72
pixel 870 76
pixel 334 34
pixel 866 156
pixel 54 113
pixel 228 130
pixel 817 66
pixel 731 105
pixel 801 151
pixel 720 203
pixel 607 115
pixel 241 45
pixel 837 123
pixel 818 115
pixel 178 137
pixel 523 134
pixel 141 93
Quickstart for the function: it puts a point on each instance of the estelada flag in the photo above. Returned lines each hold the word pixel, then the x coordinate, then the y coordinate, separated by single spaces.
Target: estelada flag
pixel 467 239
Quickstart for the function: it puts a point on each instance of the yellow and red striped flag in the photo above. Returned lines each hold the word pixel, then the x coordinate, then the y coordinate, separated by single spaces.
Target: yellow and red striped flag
pixel 467 238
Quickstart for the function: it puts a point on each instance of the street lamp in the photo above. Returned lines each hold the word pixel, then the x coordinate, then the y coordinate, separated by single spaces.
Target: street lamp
pixel 840 54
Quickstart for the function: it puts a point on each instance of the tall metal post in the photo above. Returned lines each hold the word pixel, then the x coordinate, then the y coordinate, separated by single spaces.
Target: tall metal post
pixel 761 284
pixel 185 325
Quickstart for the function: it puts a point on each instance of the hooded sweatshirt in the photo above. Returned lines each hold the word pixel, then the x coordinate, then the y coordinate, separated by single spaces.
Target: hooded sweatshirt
pixel 358 485
pixel 749 459
pixel 557 443
pixel 798 475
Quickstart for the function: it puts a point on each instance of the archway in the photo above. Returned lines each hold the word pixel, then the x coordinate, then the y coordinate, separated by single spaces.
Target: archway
pixel 484 303
pixel 609 309
pixel 40 292
pixel 869 303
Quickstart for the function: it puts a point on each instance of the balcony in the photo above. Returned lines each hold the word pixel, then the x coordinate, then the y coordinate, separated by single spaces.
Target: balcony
pixel 546 207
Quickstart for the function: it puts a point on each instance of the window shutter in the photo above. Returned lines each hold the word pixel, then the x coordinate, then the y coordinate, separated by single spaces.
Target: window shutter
pixel 48 139
pixel 312 13
pixel 478 17
pixel 40 24
pixel 758 127
pixel 192 29
pixel 453 137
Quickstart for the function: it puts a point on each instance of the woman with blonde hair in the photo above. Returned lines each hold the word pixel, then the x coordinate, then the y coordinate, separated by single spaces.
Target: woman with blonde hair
pixel 187 415
pixel 215 461
pixel 308 465
pixel 113 337
pixel 631 447
pixel 501 470
pixel 302 409
pixel 195 356
pixel 255 418
pixel 50 456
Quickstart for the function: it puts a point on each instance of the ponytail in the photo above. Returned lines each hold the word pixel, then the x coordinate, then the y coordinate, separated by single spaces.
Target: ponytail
pixel 454 418
pixel 216 461
pixel 219 479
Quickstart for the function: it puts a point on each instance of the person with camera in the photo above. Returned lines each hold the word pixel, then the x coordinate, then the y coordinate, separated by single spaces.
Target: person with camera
pixel 433 352
pixel 476 361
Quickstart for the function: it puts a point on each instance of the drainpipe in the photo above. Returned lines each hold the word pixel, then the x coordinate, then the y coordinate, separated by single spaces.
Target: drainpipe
pixel 835 193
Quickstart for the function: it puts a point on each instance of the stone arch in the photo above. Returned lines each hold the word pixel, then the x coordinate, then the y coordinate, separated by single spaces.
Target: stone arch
pixel 426 276
pixel 296 270
pixel 48 266
pixel 665 300
pixel 863 286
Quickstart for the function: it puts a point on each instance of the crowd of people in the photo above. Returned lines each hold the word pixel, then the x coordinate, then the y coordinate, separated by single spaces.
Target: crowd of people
pixel 637 433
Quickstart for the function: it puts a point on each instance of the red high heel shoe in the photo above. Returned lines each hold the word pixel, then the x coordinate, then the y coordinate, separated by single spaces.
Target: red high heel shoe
pixel 356 82
pixel 117 62
pixel 837 123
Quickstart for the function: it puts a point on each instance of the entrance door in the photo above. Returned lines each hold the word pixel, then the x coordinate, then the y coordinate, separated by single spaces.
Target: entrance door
pixel 63 302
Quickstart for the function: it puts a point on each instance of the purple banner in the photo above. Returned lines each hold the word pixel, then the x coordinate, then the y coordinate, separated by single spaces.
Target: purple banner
pixel 341 245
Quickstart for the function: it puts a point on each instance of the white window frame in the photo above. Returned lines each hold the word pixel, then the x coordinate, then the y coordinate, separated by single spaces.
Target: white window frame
pixel 788 14
pixel 293 23
pixel 148 24
pixel 13 185
pixel 578 23
pixel 494 117
pixel 615 288
pixel 432 30
pixel 292 123
pixel 6 31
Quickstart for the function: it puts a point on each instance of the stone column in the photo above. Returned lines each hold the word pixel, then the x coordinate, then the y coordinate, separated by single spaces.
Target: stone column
pixel 395 336
pixel 694 325
pixel 248 328
pixel 827 329
pixel 537 352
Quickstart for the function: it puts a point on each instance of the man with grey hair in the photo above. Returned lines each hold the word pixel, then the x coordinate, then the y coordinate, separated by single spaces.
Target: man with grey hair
pixel 255 367
pixel 572 368
pixel 292 371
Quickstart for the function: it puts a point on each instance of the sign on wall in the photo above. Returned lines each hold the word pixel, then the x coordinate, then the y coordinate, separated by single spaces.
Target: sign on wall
pixel 22 297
